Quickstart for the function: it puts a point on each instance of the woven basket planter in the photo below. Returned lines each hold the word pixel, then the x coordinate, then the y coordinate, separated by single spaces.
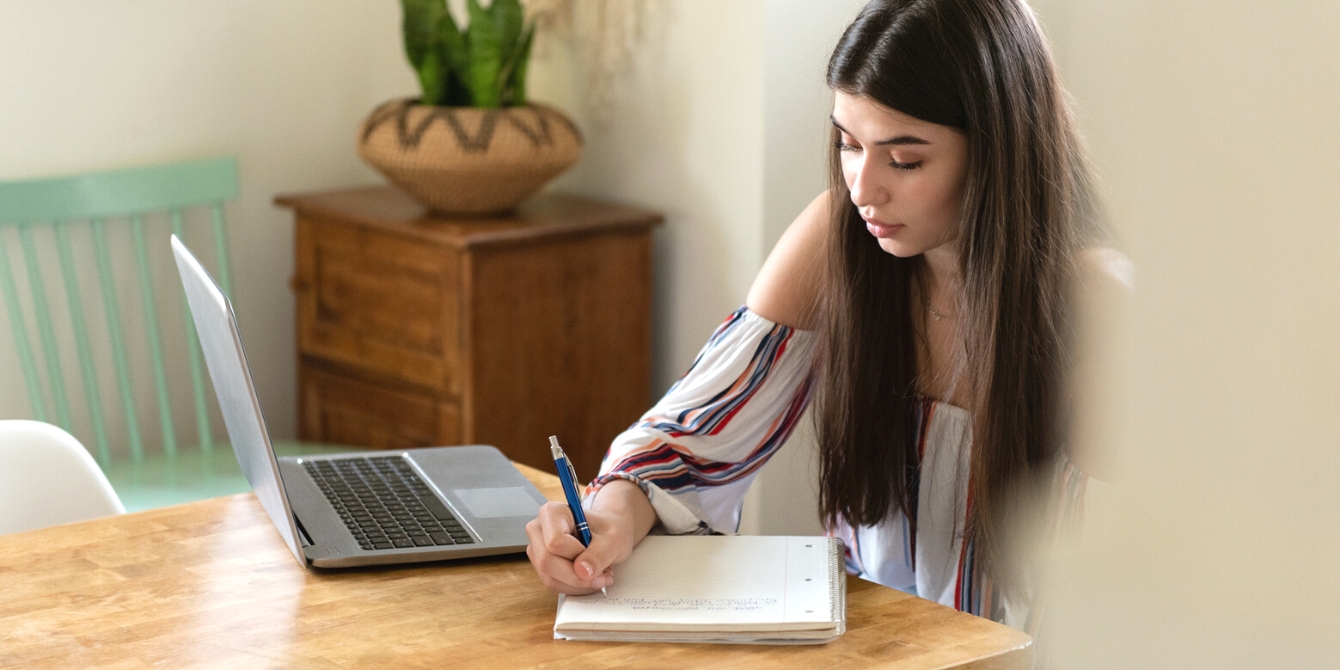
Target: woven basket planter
pixel 465 160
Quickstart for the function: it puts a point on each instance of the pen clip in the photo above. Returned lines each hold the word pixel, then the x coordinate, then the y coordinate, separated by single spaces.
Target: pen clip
pixel 572 472
pixel 559 453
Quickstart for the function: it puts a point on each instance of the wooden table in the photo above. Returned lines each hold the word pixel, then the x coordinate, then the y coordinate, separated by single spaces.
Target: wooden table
pixel 210 584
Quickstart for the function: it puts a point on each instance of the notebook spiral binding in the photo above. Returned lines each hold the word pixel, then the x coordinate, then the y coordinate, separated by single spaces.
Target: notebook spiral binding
pixel 837 577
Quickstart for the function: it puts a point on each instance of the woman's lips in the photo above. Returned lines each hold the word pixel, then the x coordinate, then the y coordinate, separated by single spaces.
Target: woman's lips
pixel 882 230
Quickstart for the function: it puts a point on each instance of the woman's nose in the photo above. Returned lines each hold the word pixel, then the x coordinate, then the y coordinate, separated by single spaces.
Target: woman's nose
pixel 866 191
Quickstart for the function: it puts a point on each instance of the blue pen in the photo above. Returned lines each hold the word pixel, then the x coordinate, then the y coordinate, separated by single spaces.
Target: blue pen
pixel 568 476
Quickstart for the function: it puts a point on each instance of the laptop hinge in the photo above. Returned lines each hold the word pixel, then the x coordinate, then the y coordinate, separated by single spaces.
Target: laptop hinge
pixel 303 537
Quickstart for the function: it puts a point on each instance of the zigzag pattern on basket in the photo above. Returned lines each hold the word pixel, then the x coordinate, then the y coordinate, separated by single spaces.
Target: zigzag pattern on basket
pixel 409 138
pixel 466 160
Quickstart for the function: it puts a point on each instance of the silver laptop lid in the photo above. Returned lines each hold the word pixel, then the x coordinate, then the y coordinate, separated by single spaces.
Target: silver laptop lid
pixel 222 345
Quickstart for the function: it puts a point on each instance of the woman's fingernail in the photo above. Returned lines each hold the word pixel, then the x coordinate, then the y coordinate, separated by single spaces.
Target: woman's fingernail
pixel 587 567
pixel 601 582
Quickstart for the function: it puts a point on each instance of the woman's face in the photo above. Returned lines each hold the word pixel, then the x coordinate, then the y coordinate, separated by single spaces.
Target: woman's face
pixel 905 175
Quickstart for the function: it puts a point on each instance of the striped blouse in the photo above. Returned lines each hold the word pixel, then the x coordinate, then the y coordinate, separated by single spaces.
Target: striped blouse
pixel 697 450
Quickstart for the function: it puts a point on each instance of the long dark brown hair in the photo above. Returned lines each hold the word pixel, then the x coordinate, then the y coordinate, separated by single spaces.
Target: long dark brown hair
pixel 982 67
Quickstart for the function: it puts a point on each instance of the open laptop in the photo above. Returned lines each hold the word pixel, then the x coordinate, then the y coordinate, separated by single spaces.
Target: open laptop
pixel 359 508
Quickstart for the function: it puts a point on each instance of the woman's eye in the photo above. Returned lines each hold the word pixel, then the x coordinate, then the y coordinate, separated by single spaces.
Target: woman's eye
pixel 843 146
pixel 904 166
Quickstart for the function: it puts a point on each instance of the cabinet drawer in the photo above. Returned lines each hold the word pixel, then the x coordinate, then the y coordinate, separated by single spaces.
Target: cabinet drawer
pixel 379 303
pixel 340 409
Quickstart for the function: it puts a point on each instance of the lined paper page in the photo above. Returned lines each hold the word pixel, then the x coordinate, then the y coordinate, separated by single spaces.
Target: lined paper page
pixel 712 583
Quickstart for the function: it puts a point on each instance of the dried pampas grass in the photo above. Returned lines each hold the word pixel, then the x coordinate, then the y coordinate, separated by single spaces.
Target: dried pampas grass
pixel 606 33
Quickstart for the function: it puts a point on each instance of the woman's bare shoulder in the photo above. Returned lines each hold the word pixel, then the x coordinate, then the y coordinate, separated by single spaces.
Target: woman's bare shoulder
pixel 1103 266
pixel 1106 279
pixel 786 290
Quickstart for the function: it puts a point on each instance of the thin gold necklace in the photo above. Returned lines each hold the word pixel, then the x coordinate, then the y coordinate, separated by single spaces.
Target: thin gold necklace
pixel 939 316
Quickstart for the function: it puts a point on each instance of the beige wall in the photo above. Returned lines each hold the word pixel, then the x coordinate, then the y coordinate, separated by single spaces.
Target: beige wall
pixel 93 85
pixel 284 86
pixel 1214 126
pixel 683 137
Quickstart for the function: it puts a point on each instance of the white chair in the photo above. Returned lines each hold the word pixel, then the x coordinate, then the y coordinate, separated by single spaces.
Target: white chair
pixel 48 478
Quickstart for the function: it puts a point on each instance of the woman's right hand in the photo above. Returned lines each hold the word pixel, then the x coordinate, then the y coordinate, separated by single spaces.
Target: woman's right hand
pixel 618 520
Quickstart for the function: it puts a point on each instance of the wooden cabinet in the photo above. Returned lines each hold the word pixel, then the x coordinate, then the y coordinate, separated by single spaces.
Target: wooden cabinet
pixel 417 330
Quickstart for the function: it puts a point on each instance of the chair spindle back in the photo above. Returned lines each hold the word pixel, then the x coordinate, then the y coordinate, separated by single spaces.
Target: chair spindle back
pixel 87 203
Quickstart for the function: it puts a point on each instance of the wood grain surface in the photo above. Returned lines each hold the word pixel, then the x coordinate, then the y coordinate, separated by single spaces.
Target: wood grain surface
pixel 544 215
pixel 416 329
pixel 210 584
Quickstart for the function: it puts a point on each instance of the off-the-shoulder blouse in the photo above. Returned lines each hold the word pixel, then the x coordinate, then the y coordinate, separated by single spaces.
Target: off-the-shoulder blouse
pixel 697 450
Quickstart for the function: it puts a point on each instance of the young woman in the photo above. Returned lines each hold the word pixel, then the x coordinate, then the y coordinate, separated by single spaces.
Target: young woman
pixel 923 302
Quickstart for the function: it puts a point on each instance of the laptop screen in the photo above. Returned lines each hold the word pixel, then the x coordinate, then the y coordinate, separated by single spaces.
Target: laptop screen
pixel 222 346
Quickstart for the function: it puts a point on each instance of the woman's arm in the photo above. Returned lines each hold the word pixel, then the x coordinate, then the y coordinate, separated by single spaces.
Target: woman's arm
pixel 786 290
pixel 702 443
pixel 1103 293
pixel 687 463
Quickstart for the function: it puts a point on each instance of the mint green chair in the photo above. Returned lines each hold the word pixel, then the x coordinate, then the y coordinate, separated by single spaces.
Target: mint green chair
pixel 121 404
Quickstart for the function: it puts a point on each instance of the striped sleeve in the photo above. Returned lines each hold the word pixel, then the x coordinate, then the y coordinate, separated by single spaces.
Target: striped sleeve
pixel 696 451
pixel 1070 493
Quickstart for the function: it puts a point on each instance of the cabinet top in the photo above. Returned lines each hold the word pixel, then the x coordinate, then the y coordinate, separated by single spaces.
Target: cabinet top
pixel 543 215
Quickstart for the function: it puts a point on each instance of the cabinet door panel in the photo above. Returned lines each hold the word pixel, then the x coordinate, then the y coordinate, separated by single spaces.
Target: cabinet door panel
pixel 338 409
pixel 379 303
pixel 560 344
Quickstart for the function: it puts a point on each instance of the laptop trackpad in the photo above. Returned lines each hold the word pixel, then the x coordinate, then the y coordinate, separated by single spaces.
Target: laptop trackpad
pixel 506 501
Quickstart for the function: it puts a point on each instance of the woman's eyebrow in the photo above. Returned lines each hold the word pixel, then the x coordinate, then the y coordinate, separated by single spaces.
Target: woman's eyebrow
pixel 900 140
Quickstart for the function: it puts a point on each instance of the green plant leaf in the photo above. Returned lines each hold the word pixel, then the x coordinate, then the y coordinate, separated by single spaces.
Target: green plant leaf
pixel 514 73
pixel 433 74
pixel 486 58
pixel 452 41
pixel 420 29
pixel 454 47
pixel 509 18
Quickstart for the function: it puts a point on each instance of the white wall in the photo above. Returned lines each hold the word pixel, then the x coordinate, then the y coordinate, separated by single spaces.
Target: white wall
pixel 283 86
pixel 1214 126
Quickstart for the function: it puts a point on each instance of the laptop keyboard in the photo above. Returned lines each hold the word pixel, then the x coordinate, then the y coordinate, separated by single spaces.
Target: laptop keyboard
pixel 384 504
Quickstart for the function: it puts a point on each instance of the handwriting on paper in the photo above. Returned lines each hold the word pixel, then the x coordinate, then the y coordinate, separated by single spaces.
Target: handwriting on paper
pixel 688 604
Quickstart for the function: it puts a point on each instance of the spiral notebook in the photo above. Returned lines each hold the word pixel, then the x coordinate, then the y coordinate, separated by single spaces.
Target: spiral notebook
pixel 735 589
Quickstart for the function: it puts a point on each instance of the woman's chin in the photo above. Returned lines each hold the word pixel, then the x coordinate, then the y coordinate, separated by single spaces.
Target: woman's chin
pixel 897 248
